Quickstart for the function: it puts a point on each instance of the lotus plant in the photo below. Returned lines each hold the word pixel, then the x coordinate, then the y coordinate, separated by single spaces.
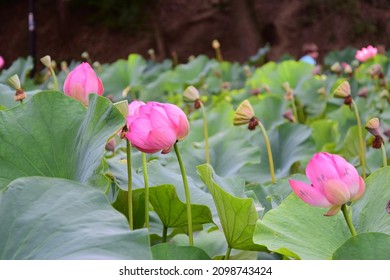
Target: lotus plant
pixel 366 53
pixel 246 115
pixel 192 94
pixel 81 82
pixel 155 127
pixel 334 183
pixel 344 91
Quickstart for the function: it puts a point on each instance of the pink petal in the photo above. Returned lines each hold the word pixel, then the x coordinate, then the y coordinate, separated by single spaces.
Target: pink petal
pixel 320 169
pixel 337 192
pixel 347 173
pixel 164 139
pixel 333 211
pixel 309 194
pixel 361 190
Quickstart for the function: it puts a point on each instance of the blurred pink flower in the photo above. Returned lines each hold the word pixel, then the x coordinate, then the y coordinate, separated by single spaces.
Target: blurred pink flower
pixel 366 53
pixel 1 62
pixel 81 82
pixel 155 126
pixel 334 182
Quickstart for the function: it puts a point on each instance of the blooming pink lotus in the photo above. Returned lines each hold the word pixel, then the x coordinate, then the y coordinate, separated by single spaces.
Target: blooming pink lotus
pixel 366 53
pixel 334 182
pixel 155 126
pixel 81 82
pixel 1 62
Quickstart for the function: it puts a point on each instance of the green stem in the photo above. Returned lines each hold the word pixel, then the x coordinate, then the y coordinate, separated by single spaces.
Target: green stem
pixel 269 151
pixel 165 234
pixel 294 108
pixel 361 141
pixel 384 157
pixel 187 194
pixel 146 184
pixel 54 78
pixel 227 255
pixel 129 185
pixel 206 133
pixel 348 219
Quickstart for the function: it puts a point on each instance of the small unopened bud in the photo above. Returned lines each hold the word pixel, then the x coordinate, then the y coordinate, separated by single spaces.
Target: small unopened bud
pixel 152 54
pixel 14 82
pixel 53 64
pixel 321 91
pixel 343 90
pixel 225 86
pixel 46 60
pixel 363 92
pixel 373 126
pixel 64 66
pixel 336 67
pixel 125 91
pixel 375 70
pixel 110 145
pixel 289 95
pixel 215 44
pixel 348 69
pixel 289 116
pixel 97 67
pixel 191 94
pixel 244 113
pixel 85 56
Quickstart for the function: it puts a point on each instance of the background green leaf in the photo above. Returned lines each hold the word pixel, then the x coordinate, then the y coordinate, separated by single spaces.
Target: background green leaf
pixel 365 246
pixel 167 251
pixel 56 136
pixel 237 216
pixel 50 218
pixel 301 231
pixel 172 211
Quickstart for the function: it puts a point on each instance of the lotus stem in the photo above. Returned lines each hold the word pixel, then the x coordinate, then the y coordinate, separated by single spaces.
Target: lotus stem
pixel 269 151
pixel 206 133
pixel 187 194
pixel 146 184
pixel 294 108
pixel 165 233
pixel 361 140
pixel 348 219
pixel 384 156
pixel 227 255
pixel 53 73
pixel 129 185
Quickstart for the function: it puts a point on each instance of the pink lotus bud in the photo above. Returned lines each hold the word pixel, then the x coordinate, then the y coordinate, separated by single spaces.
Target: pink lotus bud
pixel 155 126
pixel 334 182
pixel 1 62
pixel 81 82
pixel 366 53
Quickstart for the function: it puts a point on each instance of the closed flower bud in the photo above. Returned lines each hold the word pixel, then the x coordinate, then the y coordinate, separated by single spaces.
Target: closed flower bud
pixel 336 67
pixel 81 82
pixel 334 182
pixel 14 82
pixel 343 90
pixel 215 44
pixel 244 113
pixel 155 126
pixel 191 94
pixel 373 126
pixel 46 60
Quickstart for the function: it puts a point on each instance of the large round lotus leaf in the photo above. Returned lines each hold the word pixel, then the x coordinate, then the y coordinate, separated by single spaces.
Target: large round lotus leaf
pixel 51 218
pixel 54 135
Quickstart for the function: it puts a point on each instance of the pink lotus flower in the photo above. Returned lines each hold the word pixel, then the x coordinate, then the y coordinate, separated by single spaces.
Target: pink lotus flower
pixel 366 53
pixel 155 126
pixel 81 82
pixel 1 62
pixel 334 182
